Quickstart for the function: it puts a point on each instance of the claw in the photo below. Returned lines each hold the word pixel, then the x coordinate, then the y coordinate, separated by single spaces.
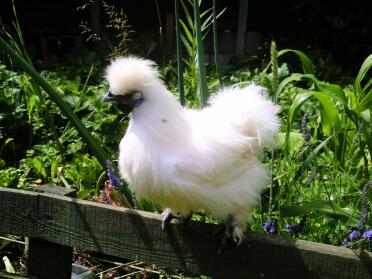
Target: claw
pixel 169 215
pixel 231 233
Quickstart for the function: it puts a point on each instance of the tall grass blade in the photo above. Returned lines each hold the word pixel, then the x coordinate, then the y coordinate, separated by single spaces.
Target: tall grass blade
pixel 315 153
pixel 363 101
pixel 215 44
pixel 181 87
pixel 307 65
pixel 348 215
pixel 202 77
pixel 367 64
pixel 96 149
pixel 274 71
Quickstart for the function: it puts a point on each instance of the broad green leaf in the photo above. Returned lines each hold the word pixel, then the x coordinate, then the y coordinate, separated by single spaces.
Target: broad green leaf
pixel 39 167
pixel 284 82
pixel 365 103
pixel 189 48
pixel 296 140
pixel 368 85
pixel 188 34
pixel 332 90
pixel 54 169
pixel 349 215
pixel 362 72
pixel 84 194
pixel 188 16
pixel 366 115
pixel 329 113
pixel 307 65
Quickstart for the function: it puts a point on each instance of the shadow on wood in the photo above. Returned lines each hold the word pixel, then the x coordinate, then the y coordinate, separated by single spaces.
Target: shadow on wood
pixel 132 234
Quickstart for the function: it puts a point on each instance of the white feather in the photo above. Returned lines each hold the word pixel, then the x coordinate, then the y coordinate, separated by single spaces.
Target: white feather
pixel 188 160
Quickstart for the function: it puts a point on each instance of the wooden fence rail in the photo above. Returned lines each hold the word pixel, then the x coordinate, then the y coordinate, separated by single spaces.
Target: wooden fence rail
pixel 133 234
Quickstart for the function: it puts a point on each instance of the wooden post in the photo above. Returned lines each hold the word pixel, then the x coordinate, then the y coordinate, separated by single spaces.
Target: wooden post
pixel 47 259
pixel 242 26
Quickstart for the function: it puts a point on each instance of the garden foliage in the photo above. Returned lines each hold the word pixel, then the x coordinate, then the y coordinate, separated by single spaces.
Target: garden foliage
pixel 320 161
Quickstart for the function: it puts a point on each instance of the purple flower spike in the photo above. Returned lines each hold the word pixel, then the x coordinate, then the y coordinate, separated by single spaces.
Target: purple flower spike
pixel 354 235
pixel 368 235
pixel 114 180
pixel 270 227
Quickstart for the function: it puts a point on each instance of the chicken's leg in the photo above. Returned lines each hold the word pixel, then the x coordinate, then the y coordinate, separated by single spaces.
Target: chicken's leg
pixel 169 215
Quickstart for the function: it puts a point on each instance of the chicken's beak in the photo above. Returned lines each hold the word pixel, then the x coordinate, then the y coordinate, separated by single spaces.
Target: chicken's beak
pixel 125 103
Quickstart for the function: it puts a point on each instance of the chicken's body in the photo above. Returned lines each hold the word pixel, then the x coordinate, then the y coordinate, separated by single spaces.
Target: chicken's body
pixel 188 160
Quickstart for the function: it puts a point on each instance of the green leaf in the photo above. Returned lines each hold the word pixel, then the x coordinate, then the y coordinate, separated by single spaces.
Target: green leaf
pixel 39 168
pixel 307 65
pixel 296 140
pixel 314 153
pixel 188 34
pixel 284 82
pixel 84 194
pixel 187 14
pixel 202 77
pixel 54 169
pixel 349 215
pixel 8 266
pixel 365 103
pixel 367 64
pixel 329 113
pixel 188 46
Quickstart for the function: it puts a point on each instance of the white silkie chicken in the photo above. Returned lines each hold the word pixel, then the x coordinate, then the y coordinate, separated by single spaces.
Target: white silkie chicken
pixel 186 160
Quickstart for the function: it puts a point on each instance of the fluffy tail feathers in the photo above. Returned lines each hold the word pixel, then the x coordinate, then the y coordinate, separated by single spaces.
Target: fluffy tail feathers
pixel 249 111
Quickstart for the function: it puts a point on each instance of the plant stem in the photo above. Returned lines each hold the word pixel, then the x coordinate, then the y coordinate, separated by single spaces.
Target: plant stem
pixel 202 79
pixel 215 44
pixel 181 87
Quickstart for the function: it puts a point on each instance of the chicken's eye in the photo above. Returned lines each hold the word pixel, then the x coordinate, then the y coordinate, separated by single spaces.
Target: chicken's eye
pixel 137 99
pixel 137 96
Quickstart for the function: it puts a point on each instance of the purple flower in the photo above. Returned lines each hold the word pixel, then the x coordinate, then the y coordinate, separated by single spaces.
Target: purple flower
pixel 305 133
pixel 114 180
pixel 368 235
pixel 270 226
pixel 312 175
pixel 364 203
pixel 295 228
pixel 354 235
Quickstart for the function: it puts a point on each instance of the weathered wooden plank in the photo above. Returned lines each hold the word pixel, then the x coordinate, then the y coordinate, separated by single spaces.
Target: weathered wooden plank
pixel 18 212
pixel 137 235
pixel 6 275
pixel 47 259
pixel 57 190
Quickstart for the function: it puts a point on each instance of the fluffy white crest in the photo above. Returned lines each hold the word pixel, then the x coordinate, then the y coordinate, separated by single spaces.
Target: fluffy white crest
pixel 130 73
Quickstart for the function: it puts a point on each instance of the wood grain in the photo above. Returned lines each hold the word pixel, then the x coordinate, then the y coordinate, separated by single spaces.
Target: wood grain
pixel 47 259
pixel 133 234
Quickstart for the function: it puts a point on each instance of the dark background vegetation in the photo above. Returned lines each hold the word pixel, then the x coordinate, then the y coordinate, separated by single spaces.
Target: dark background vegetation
pixel 331 32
